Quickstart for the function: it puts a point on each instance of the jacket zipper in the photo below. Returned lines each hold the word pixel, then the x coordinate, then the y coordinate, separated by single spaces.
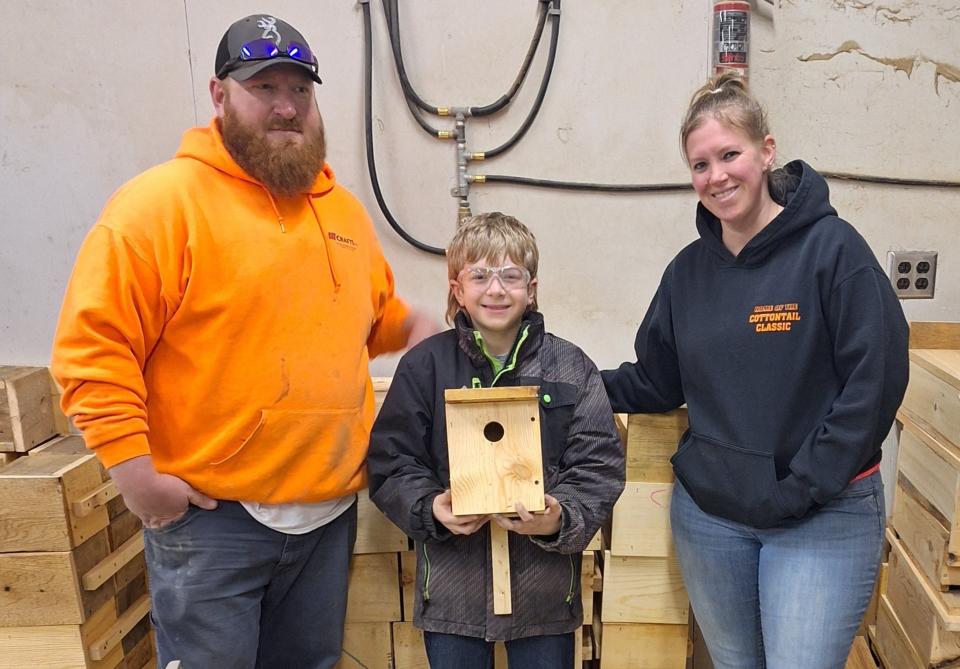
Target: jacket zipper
pixel 569 598
pixel 508 366
pixel 426 576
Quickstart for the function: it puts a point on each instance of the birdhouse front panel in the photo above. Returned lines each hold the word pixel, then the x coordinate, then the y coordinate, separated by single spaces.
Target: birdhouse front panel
pixel 493 444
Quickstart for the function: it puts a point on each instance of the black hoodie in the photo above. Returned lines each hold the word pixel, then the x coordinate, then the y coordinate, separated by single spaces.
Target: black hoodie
pixel 791 358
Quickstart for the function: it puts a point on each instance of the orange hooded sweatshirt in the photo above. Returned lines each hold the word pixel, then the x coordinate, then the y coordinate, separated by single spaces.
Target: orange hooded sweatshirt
pixel 226 332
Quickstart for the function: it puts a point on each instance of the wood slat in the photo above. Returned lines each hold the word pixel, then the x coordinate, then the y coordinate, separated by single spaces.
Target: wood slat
pixel 933 399
pixel 495 394
pixel 366 646
pixel 643 646
pixel 643 590
pixel 934 334
pixel 500 566
pixel 915 605
pixel 946 604
pixel 375 532
pixel 110 639
pixel 105 569
pixel 651 440
pixel 641 520
pixel 891 642
pixel 97 497
pixel 373 594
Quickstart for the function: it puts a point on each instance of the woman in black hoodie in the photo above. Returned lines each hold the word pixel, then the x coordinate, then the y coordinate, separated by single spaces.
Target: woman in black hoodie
pixel 783 336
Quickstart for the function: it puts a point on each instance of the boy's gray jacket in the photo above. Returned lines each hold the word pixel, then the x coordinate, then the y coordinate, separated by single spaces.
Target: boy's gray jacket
pixel 583 466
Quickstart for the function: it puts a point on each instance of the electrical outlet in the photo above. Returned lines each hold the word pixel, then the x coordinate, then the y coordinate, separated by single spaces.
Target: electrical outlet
pixel 912 273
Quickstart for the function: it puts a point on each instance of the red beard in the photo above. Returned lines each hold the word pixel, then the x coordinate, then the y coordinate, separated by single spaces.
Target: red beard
pixel 285 169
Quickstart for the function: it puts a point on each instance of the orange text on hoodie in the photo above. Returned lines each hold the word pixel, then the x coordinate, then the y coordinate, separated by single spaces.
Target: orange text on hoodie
pixel 227 333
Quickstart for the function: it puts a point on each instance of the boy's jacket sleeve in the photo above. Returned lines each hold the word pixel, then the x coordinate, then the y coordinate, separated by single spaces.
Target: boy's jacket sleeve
pixel 399 464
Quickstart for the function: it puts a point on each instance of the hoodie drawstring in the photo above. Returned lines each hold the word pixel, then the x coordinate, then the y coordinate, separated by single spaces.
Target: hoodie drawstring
pixel 326 245
pixel 273 203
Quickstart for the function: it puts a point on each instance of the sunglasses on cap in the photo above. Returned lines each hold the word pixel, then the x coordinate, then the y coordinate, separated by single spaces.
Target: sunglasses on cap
pixel 267 49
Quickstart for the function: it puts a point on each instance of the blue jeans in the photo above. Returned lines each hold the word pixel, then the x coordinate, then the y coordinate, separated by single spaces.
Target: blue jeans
pixel 231 593
pixel 787 597
pixel 453 651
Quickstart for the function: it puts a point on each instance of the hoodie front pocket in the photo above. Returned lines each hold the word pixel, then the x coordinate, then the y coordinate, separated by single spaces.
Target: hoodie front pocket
pixel 297 455
pixel 729 481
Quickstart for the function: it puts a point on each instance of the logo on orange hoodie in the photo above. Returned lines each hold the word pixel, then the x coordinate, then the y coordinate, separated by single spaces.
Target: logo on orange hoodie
pixel 345 242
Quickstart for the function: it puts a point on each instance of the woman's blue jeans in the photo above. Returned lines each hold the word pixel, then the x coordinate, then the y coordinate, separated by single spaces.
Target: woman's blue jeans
pixel 788 597
pixel 453 651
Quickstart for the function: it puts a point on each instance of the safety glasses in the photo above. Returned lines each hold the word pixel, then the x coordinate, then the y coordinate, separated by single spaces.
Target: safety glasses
pixel 266 49
pixel 510 277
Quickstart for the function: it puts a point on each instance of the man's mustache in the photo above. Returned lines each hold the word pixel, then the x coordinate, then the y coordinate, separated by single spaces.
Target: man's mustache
pixel 289 124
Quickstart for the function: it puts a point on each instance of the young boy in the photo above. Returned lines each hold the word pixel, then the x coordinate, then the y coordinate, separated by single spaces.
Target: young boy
pixel 498 339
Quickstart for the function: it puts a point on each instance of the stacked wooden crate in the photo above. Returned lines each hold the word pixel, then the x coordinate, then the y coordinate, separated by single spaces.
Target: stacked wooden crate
pixel 642 622
pixel 73 590
pixel 373 598
pixel 27 410
pixel 918 614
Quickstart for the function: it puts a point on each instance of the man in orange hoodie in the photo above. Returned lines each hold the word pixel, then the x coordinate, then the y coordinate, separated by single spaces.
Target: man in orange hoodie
pixel 213 347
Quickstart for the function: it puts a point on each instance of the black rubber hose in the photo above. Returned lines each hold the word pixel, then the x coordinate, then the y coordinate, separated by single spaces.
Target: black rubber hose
pixel 548 70
pixel 506 98
pixel 581 186
pixel 894 181
pixel 427 128
pixel 652 188
pixel 368 128
pixel 391 11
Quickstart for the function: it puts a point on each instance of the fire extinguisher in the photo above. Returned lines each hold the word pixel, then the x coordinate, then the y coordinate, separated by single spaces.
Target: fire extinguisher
pixel 731 36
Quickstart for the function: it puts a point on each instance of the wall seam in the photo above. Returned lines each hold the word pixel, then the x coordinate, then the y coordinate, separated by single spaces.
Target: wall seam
pixel 193 85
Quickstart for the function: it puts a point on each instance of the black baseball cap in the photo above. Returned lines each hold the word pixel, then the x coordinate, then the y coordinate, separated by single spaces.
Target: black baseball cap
pixel 258 41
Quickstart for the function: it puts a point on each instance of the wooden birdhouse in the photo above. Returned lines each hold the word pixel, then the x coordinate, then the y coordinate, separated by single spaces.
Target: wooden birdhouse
pixel 493 443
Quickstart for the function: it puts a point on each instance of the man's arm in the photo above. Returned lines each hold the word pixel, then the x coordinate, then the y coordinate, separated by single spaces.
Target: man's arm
pixel 112 317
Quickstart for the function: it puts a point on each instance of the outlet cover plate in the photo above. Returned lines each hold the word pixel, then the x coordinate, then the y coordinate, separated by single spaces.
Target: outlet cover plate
pixel 912 273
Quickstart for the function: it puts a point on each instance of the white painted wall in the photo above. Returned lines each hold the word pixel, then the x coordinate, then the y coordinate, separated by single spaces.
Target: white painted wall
pixel 104 90
pixel 93 92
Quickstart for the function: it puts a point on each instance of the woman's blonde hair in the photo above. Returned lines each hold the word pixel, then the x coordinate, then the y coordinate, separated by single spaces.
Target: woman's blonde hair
pixel 492 235
pixel 726 99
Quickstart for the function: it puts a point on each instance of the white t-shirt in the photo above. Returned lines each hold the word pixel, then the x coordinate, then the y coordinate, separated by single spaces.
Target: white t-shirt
pixel 298 518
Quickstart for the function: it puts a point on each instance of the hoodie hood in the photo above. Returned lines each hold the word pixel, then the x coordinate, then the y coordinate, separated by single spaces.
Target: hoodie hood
pixel 206 145
pixel 805 199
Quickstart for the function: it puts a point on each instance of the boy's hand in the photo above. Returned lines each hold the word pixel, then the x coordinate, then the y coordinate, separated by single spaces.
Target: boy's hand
pixel 443 512
pixel 540 524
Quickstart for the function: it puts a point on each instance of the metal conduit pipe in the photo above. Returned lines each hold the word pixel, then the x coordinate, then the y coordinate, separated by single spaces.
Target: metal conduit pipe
pixel 368 133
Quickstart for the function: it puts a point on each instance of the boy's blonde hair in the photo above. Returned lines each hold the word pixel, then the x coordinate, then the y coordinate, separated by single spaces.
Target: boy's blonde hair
pixel 492 235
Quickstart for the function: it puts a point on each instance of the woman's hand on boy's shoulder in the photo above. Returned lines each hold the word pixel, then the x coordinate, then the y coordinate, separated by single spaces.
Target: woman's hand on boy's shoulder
pixel 535 524
pixel 443 512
